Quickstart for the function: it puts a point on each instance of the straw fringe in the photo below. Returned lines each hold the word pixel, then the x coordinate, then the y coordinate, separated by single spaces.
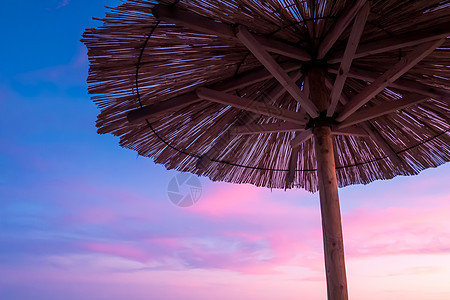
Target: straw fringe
pixel 176 60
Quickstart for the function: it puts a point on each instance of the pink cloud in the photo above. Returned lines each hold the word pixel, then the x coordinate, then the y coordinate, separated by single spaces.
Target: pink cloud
pixel 117 249
pixel 91 281
pixel 242 229
pixel 398 230
pixel 266 233
pixel 101 204
pixel 263 242
pixel 245 201
pixel 224 200
pixel 69 71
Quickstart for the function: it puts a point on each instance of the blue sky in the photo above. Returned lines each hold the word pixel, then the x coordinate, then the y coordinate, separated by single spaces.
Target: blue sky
pixel 82 218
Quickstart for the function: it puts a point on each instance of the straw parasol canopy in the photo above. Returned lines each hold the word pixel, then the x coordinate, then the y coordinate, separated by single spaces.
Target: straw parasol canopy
pixel 147 61
pixel 313 94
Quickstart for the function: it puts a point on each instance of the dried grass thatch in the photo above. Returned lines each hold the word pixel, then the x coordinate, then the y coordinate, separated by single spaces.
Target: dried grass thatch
pixel 137 61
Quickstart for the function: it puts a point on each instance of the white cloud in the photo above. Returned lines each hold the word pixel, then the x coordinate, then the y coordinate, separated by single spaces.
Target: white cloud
pixel 63 3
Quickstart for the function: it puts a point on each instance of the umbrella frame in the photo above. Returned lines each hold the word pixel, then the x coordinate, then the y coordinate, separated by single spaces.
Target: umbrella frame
pixel 324 120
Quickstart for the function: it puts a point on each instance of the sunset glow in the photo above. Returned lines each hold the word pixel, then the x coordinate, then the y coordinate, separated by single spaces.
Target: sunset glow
pixel 83 218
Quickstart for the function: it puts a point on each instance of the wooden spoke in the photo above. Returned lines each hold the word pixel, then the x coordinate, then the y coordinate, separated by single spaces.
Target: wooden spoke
pixel 382 109
pixel 267 128
pixel 190 20
pixel 349 131
pixel 381 142
pixel 274 68
pixel 338 28
pixel 288 127
pixel 301 137
pixel 173 104
pixel 409 39
pixel 250 105
pixel 280 90
pixel 204 25
pixel 245 79
pixel 352 43
pixel 401 84
pixel 279 47
pixel 220 144
pixel 329 84
pixel 389 76
pixel 252 76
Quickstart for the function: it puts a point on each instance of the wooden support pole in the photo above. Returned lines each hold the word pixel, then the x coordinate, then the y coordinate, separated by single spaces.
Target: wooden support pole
pixel 331 216
pixel 329 199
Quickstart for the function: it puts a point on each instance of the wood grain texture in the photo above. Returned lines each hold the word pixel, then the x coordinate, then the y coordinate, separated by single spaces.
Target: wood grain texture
pixel 331 215
pixel 300 138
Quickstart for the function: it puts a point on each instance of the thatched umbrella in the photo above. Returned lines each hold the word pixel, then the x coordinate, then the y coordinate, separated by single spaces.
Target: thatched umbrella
pixel 279 93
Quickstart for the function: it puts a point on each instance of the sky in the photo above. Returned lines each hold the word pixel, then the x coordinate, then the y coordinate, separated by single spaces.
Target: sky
pixel 83 218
